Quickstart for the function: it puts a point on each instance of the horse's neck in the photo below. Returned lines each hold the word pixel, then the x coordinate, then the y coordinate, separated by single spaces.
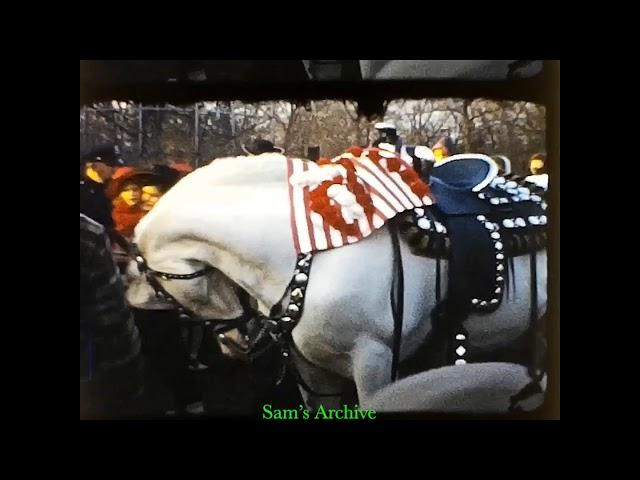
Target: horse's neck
pixel 238 209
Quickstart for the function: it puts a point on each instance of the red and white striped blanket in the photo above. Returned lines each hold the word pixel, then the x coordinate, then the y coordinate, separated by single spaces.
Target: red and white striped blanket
pixel 340 201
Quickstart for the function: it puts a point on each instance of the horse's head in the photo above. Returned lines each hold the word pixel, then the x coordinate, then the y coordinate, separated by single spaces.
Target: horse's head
pixel 210 296
pixel 168 244
pixel 218 219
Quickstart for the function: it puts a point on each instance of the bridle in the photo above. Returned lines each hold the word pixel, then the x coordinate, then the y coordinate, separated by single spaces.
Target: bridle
pixel 274 329
pixel 185 314
pixel 277 327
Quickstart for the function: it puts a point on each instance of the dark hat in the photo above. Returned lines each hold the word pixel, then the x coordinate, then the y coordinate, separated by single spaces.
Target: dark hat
pixel 446 144
pixel 108 154
pixel 258 146
pixel 165 176
pixel 161 176
pixel 138 177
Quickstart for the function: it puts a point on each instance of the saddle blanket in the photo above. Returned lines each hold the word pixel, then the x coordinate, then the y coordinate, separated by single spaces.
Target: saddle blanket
pixel 340 201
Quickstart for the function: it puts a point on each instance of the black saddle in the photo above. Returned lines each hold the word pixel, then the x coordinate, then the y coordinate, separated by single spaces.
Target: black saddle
pixel 478 223
pixel 455 182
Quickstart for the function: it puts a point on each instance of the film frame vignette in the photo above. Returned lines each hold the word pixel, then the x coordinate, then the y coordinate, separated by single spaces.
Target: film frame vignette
pixel 441 189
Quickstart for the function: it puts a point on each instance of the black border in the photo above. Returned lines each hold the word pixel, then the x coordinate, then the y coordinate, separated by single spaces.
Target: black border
pixel 546 92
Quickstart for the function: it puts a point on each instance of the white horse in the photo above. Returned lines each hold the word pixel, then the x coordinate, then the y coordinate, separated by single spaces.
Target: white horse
pixel 233 215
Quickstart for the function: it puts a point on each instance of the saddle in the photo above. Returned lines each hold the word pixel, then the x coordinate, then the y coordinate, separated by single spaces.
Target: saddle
pixel 468 190
pixel 479 222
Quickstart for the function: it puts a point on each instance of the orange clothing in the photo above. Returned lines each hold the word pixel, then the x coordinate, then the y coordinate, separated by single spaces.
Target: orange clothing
pixel 126 217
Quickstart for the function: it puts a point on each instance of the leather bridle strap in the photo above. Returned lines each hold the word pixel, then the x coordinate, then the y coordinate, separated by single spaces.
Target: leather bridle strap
pixel 397 300
pixel 186 315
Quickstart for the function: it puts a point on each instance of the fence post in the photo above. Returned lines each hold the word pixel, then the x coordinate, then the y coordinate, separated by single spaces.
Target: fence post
pixel 84 127
pixel 140 129
pixel 196 123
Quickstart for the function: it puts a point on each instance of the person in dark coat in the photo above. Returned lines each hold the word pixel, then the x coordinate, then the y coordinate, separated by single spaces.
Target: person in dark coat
pixel 111 376
pixel 97 168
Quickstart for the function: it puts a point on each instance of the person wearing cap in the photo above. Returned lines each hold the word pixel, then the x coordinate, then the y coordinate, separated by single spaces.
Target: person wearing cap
pixel 97 169
pixel 538 170
pixel 162 179
pixel 260 146
pixel 443 149
pixel 125 191
pixel 387 134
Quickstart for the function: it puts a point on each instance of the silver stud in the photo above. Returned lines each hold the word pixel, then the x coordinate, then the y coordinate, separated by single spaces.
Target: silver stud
pixel 524 191
pixel 515 199
pixel 497 291
pixel 534 220
pixel 543 205
pixel 494 201
pixel 419 211
pixel 508 223
pixel 296 293
pixel 481 218
pixel 424 224
pixel 461 350
pixel 303 263
pixel 483 303
pixel 512 191
pixel 221 336
pixel 498 245
pixel 511 184
pixel 440 228
pixel 164 277
pixel 460 337
pixel 286 319
pixel 474 301
pixel 499 181
pixel 293 308
pixel 500 267
pixel 482 196
pixel 494 301
pixel 285 354
pixel 504 200
pixel 489 226
pixel 139 259
pixel 536 198
pixel 301 278
pixel 520 222
pixel 495 235
pixel 499 279
pixel 460 362
pixel 499 256
pixel 543 219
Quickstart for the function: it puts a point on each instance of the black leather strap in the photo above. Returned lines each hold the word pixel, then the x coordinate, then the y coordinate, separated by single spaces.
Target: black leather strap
pixel 397 299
